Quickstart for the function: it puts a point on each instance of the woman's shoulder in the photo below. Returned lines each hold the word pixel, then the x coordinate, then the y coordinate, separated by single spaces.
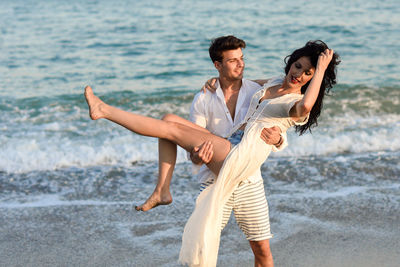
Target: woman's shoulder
pixel 273 81
pixel 291 98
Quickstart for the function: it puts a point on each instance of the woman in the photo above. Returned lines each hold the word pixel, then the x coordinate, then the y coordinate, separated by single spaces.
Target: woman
pixel 295 100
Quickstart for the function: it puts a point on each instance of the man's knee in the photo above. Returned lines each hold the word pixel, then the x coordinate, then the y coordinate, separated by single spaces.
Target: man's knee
pixel 261 248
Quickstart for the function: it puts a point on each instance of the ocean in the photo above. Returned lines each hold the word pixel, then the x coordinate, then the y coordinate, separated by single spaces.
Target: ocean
pixel 68 185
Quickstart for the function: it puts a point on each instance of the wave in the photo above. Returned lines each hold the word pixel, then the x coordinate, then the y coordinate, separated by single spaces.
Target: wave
pixel 55 145
pixel 46 133
pixel 343 99
pixel 363 100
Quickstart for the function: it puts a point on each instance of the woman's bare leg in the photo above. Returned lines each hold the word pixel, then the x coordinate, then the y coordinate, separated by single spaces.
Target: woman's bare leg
pixel 166 164
pixel 170 129
pixel 177 130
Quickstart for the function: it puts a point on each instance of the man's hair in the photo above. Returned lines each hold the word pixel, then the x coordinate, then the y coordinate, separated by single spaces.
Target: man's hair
pixel 222 44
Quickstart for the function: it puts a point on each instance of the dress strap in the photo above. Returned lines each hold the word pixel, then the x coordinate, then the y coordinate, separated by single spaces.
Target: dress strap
pixel 273 81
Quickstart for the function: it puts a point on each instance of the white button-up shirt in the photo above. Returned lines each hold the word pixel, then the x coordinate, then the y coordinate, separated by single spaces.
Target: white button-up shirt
pixel 209 110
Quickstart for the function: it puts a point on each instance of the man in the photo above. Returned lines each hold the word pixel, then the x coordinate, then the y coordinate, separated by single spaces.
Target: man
pixel 219 112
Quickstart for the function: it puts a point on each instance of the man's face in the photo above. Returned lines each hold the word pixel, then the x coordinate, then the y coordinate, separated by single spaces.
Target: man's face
pixel 232 65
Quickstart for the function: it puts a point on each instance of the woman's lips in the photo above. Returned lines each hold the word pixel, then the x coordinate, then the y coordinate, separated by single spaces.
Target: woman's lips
pixel 294 80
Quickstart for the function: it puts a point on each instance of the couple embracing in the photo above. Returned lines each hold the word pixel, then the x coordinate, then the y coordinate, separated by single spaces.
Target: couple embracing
pixel 235 124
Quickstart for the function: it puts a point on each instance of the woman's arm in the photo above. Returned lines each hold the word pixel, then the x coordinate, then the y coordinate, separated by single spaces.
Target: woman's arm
pixel 304 106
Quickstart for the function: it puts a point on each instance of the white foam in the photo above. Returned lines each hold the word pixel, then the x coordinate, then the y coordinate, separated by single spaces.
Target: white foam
pixel 23 154
pixel 54 200
pixel 347 135
pixel 56 144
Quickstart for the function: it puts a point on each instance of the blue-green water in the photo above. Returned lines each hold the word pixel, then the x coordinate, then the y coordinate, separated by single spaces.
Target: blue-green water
pixel 151 57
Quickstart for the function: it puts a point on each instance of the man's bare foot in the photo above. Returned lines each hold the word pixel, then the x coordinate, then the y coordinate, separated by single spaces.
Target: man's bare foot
pixel 156 199
pixel 95 104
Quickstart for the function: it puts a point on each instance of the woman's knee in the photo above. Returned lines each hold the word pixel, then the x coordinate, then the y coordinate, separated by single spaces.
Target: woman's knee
pixel 170 117
pixel 174 124
pixel 174 129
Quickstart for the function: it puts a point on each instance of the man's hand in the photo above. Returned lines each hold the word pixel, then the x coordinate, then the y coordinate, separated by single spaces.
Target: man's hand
pixel 272 136
pixel 210 85
pixel 202 154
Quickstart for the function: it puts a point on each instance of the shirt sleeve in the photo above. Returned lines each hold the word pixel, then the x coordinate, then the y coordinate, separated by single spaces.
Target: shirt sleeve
pixel 198 114
pixel 198 110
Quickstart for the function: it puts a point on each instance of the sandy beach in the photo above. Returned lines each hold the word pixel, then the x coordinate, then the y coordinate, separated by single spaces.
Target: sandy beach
pixel 114 235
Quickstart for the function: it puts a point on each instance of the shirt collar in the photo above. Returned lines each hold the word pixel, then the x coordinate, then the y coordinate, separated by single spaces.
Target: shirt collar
pixel 219 92
pixel 241 97
pixel 242 93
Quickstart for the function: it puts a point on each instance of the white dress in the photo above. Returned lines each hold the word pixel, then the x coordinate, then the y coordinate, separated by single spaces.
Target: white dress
pixel 200 240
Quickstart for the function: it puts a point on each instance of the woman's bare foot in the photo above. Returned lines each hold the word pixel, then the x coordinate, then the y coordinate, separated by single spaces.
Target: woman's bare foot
pixel 156 199
pixel 95 104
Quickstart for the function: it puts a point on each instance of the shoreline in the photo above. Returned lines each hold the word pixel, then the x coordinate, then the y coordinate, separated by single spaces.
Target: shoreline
pixel 114 235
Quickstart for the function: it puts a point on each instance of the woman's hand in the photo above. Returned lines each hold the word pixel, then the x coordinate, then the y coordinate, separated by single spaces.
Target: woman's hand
pixel 324 59
pixel 210 85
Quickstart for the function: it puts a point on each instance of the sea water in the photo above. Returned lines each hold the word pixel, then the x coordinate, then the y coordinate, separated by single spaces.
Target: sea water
pixel 60 170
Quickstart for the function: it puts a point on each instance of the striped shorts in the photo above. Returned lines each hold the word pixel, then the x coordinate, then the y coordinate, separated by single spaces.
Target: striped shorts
pixel 250 208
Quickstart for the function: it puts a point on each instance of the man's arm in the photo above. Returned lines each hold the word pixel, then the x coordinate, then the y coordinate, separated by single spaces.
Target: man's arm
pixel 271 136
pixel 210 84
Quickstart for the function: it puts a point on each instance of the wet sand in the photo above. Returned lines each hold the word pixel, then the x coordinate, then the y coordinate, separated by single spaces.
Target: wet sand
pixel 114 235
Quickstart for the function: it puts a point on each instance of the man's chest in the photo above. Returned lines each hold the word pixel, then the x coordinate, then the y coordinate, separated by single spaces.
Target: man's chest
pixel 219 116
pixel 230 102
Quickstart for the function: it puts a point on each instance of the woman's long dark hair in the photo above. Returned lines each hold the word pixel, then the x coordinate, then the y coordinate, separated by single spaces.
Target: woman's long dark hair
pixel 312 50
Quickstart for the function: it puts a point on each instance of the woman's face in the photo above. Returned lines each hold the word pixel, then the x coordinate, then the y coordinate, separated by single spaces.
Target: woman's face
pixel 300 72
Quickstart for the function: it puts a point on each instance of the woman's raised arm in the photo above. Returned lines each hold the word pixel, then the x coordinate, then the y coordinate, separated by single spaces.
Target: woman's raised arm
pixel 304 106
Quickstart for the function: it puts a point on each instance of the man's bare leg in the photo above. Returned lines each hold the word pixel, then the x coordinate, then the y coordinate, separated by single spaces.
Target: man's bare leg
pixel 262 253
pixel 166 164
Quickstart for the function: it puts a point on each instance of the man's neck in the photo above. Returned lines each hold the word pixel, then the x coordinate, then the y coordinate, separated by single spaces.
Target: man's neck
pixel 228 85
pixel 231 92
